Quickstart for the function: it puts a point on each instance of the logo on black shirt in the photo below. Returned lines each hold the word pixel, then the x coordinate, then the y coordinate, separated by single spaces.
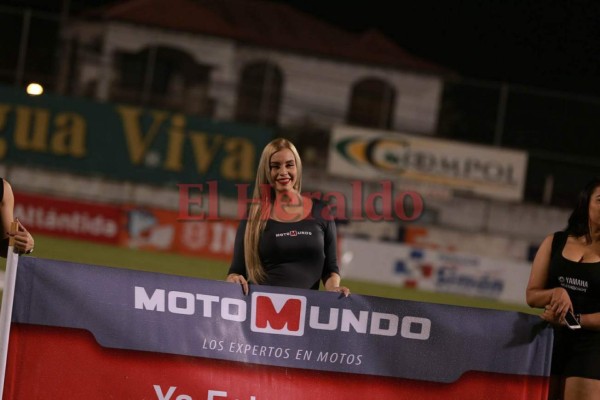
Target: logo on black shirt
pixel 294 233
pixel 573 283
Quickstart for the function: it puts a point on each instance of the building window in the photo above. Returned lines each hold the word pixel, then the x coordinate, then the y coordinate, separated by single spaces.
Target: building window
pixel 259 94
pixel 372 104
pixel 164 78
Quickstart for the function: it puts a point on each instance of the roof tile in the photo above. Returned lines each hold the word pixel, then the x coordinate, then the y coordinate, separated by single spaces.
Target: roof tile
pixel 267 24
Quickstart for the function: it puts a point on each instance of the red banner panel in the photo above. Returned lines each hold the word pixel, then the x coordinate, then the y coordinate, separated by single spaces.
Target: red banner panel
pixel 62 363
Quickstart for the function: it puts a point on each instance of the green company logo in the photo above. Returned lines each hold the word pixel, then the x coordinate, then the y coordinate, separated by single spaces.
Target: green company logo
pixel 389 155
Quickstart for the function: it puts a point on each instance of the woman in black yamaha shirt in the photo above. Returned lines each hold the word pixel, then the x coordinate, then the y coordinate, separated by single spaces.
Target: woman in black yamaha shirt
pixel 288 239
pixel 565 277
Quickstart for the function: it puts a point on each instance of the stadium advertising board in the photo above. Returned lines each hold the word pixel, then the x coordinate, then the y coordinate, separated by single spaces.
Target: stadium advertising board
pixel 360 153
pixel 435 271
pixel 68 218
pixel 95 333
pixel 154 229
pixel 145 228
pixel 125 142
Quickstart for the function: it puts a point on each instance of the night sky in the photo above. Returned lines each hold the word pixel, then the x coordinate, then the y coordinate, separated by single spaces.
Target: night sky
pixel 553 44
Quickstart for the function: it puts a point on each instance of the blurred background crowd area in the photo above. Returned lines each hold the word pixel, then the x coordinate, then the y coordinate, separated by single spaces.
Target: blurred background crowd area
pixel 142 95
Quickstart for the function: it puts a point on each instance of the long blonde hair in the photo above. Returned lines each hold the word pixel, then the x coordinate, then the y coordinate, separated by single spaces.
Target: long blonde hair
pixel 260 209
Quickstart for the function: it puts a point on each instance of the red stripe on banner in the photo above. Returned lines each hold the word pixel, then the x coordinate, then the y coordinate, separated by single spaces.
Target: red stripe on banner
pixel 61 363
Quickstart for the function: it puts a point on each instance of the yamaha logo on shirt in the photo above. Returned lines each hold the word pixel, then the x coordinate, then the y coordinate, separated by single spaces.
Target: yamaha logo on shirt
pixel 573 283
pixel 294 233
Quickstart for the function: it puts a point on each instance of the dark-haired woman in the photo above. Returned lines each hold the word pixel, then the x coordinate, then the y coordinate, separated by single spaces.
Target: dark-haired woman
pixel 565 278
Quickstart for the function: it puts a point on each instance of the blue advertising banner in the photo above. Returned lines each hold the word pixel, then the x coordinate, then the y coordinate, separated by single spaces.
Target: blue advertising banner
pixel 133 310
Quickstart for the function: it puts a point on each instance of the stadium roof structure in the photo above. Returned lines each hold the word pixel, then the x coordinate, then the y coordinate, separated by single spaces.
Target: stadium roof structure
pixel 267 24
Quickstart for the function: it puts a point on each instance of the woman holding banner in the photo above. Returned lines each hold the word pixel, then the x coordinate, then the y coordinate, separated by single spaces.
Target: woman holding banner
pixel 288 239
pixel 565 282
pixel 23 240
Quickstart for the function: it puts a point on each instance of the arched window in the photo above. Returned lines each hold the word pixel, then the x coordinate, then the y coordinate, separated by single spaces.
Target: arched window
pixel 372 104
pixel 162 77
pixel 259 94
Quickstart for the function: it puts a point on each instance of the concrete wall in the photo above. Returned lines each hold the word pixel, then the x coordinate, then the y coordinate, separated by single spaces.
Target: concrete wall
pixel 315 89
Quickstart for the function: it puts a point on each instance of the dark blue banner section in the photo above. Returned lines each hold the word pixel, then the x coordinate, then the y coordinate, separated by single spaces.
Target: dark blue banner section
pixel 127 309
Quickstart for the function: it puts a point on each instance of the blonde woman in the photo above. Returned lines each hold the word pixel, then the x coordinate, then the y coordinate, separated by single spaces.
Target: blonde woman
pixel 288 239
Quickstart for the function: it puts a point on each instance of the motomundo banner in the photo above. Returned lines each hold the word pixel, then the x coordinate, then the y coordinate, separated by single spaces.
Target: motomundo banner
pixel 82 331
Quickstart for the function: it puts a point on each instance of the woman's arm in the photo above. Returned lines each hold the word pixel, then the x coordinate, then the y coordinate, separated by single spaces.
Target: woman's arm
pixel 590 321
pixel 6 208
pixel 24 242
pixel 331 277
pixel 557 299
pixel 237 269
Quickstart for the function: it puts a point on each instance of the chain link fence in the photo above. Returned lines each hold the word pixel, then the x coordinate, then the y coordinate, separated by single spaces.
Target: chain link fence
pixel 558 130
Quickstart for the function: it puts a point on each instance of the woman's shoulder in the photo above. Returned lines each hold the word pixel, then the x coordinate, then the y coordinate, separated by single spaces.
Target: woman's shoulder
pixel 5 189
pixel 554 242
pixel 318 204
pixel 321 210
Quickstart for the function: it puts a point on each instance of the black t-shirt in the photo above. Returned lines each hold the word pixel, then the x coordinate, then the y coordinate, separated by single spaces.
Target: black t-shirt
pixel 293 254
pixel 580 279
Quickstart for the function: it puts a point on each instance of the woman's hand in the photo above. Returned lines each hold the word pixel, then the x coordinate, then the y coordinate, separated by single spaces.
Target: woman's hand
pixel 339 289
pixel 332 284
pixel 24 242
pixel 560 303
pixel 550 316
pixel 240 280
